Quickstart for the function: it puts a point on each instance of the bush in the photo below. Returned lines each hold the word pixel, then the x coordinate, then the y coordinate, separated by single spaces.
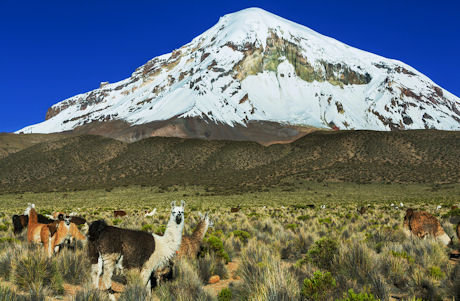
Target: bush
pixel 242 235
pixel 322 252
pixel 215 244
pixel 116 221
pixel 291 226
pixel 352 296
pixel 436 273
pixel 147 227
pixel 303 217
pixel 225 295
pixel 160 230
pixel 317 287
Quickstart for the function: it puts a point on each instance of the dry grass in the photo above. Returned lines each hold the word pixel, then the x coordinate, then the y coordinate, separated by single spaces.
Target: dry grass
pixel 279 247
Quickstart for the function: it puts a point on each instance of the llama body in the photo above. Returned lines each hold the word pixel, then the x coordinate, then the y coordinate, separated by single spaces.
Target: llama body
pixel 422 224
pixel 109 247
pixel 20 222
pixel 190 245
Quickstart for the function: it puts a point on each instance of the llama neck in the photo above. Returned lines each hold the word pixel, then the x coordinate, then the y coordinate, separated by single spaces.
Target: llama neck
pixel 200 230
pixel 33 218
pixel 173 234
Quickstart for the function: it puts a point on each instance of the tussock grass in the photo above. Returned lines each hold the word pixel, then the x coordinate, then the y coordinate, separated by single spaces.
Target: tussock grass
pixel 278 241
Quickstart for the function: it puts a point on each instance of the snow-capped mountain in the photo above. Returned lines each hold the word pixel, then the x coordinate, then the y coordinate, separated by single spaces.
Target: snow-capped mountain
pixel 254 67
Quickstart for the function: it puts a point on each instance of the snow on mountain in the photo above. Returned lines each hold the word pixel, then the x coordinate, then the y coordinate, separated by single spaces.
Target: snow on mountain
pixel 255 66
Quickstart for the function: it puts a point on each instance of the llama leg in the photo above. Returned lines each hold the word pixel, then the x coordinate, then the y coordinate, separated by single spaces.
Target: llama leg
pixel 96 271
pixel 145 276
pixel 109 261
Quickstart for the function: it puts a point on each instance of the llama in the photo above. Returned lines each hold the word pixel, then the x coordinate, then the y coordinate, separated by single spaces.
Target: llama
pixel 189 247
pixel 235 209
pixel 151 213
pixel 50 235
pixel 40 233
pixel 20 222
pixel 110 246
pixel 423 224
pixel 119 213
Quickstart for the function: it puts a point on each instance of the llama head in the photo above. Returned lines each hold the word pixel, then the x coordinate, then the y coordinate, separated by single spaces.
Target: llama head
pixel 177 212
pixel 65 218
pixel 29 207
pixel 206 218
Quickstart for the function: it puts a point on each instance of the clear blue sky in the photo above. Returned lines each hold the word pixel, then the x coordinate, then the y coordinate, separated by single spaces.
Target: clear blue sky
pixel 52 50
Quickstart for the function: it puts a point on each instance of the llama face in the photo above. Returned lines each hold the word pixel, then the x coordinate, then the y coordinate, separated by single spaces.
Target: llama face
pixel 67 220
pixel 177 212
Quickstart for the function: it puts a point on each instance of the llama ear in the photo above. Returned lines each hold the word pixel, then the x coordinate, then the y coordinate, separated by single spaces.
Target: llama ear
pixel 206 214
pixel 182 203
pixel 200 215
pixel 173 204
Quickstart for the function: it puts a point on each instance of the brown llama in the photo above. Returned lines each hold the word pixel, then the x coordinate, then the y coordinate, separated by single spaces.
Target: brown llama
pixel 190 245
pixel 423 224
pixel 119 213
pixel 235 209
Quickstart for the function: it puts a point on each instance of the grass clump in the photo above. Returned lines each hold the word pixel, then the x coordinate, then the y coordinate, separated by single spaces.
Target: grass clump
pixel 352 296
pixel 318 287
pixel 34 271
pixel 224 295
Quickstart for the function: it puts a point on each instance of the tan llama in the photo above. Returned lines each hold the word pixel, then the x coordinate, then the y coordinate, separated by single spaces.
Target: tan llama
pixel 190 245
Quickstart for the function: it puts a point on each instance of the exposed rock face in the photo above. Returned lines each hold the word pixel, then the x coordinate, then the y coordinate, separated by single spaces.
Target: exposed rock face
pixel 423 224
pixel 253 66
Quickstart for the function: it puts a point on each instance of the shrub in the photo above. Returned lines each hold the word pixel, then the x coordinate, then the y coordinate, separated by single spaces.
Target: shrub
pixel 326 220
pixel 116 221
pixel 242 235
pixel 317 287
pixel 352 296
pixel 404 255
pixel 3 227
pixel 160 230
pixel 322 252
pixel 436 273
pixel 215 244
pixel 303 217
pixel 224 295
pixel 147 227
pixel 292 226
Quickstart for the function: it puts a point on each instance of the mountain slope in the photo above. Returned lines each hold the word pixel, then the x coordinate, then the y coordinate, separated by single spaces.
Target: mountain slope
pixel 254 66
pixel 87 162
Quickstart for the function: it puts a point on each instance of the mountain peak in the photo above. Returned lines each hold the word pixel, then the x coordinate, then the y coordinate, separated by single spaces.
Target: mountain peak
pixel 254 67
